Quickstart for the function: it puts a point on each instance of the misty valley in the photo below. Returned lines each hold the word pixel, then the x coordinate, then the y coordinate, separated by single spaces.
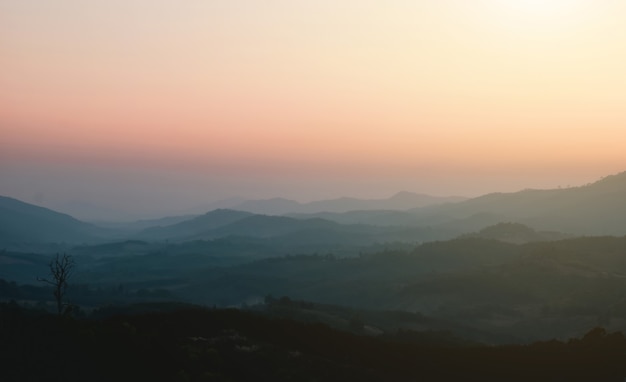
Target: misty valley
pixel 245 190
pixel 521 286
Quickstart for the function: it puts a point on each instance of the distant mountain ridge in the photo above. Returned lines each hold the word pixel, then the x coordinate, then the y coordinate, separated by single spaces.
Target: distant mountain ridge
pixel 21 223
pixel 401 201
pixel 230 223
pixel 595 209
pixel 516 233
pixel 195 227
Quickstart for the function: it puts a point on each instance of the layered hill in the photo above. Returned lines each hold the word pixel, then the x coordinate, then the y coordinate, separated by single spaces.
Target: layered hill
pixel 22 223
pixel 593 209
pixel 516 233
pixel 532 291
pixel 401 201
pixel 281 229
pixel 194 227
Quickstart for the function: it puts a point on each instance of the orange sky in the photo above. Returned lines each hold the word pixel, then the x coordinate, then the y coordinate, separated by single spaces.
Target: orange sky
pixel 308 99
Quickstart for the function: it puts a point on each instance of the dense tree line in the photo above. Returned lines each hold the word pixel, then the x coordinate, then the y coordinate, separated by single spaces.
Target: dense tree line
pixel 81 294
pixel 184 343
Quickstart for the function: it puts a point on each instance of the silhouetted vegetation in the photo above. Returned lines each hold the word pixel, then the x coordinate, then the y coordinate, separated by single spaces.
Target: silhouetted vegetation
pixel 61 268
pixel 517 292
pixel 435 293
pixel 186 343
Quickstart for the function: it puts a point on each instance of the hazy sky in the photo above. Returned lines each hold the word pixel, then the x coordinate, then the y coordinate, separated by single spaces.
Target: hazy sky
pixel 161 106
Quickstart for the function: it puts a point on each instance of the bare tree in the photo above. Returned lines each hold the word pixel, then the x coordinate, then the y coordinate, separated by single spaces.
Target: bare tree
pixel 61 268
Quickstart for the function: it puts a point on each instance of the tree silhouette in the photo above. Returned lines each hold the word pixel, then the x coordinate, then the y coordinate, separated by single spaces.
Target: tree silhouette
pixel 61 268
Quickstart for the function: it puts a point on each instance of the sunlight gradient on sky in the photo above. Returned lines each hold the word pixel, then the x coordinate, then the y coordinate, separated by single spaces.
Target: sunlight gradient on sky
pixel 201 100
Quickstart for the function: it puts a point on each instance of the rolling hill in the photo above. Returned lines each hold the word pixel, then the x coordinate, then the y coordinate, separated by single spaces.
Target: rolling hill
pixel 593 209
pixel 516 233
pixel 25 224
pixel 401 201
pixel 313 233
pixel 194 227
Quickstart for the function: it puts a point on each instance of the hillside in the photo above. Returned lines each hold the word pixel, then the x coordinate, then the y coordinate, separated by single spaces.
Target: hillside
pixel 312 233
pixel 174 342
pixel 516 233
pixel 515 292
pixel 23 224
pixel 195 226
pixel 532 291
pixel 594 209
pixel 400 201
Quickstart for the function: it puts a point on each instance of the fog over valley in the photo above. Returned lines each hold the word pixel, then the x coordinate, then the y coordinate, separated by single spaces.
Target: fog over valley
pixel 242 190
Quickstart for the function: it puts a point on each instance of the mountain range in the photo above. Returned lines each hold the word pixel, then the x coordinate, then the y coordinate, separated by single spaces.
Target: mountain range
pixel 22 223
pixel 534 264
pixel 593 209
pixel 401 201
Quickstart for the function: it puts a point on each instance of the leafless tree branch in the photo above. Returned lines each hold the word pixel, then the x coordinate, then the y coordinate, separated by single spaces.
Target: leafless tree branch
pixel 61 269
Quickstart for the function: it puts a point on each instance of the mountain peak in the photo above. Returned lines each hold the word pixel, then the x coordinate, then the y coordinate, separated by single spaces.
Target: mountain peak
pixel 403 195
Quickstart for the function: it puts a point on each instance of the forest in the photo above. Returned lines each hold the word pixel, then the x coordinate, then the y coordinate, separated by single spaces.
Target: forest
pixel 501 287
pixel 176 342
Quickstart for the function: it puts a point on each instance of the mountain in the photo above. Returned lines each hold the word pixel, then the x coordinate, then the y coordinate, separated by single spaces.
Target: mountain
pixel 224 223
pixel 22 223
pixel 194 227
pixel 593 209
pixel 272 226
pixel 369 217
pixel 400 201
pixel 273 206
pixel 223 204
pixel 143 224
pixel 516 233
pixel 304 235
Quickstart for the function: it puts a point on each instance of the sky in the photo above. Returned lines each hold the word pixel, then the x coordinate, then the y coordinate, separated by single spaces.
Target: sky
pixel 124 109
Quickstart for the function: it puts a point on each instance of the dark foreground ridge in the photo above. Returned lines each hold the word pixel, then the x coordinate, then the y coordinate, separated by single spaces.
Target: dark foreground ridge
pixel 186 343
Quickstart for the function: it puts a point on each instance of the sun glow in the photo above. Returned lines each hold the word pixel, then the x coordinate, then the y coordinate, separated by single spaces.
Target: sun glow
pixel 538 7
pixel 538 12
